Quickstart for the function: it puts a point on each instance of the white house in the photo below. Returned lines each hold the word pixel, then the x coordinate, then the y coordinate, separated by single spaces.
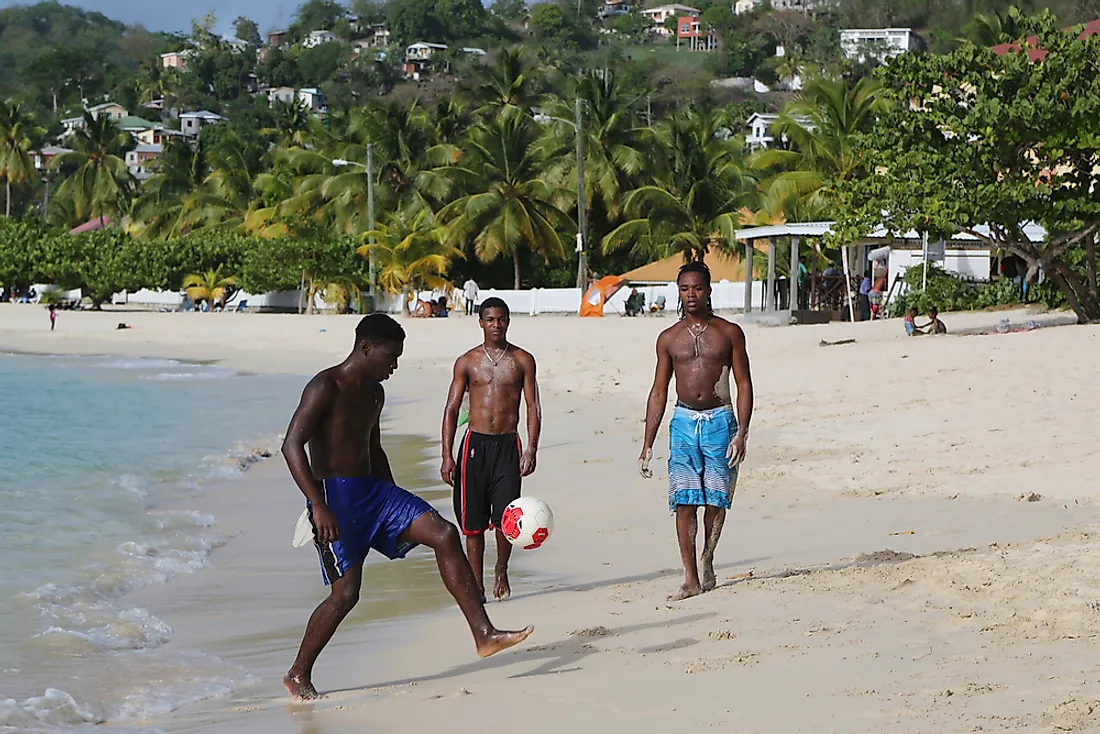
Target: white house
pixel 746 6
pixel 661 13
pixel 281 94
pixel 312 98
pixel 70 125
pixel 112 110
pixel 798 6
pixel 760 132
pixel 137 160
pixel 860 44
pixel 235 44
pixel 192 123
pixel 422 51
pixel 474 51
pixel 316 38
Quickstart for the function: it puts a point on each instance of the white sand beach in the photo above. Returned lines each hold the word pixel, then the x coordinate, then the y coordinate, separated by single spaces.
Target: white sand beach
pixel 916 513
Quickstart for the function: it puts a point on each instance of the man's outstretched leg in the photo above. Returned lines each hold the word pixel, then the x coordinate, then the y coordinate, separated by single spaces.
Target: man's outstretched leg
pixel 343 595
pixel 475 551
pixel 713 520
pixel 687 524
pixel 502 589
pixel 433 531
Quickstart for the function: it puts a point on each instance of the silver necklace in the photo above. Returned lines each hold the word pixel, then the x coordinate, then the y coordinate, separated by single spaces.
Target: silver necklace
pixel 695 335
pixel 496 361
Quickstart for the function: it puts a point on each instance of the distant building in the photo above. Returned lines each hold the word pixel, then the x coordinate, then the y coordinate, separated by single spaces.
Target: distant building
pixel 70 125
pixel 661 13
pixel 135 125
pixel 612 8
pixel 860 44
pixel 137 160
pixel 422 51
pixel 690 33
pixel 235 43
pixel 379 36
pixel 746 6
pixel 276 39
pixel 312 98
pixel 760 132
pixel 799 6
pixel 175 59
pixel 112 110
pixel 43 159
pixel 281 94
pixel 192 123
pixel 157 135
pixel 317 38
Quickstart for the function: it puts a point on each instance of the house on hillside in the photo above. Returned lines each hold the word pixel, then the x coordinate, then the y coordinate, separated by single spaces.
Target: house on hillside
pixel 281 94
pixel 70 125
pixel 312 98
pixel 316 38
pixel 1092 28
pixel 112 110
pixel 157 136
pixel 192 123
pixel 236 44
pixel 418 56
pixel 691 34
pixel 862 44
pixel 276 39
pixel 661 13
pixel 43 158
pixel 746 6
pixel 612 8
pixel 175 59
pixel 135 125
pixel 137 160
pixel 799 6
pixel 379 37
pixel 760 132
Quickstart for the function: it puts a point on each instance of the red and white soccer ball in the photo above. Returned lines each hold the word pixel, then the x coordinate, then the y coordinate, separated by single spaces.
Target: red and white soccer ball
pixel 527 523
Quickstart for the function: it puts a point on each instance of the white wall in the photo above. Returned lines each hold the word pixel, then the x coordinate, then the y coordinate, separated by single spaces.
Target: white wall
pixel 967 263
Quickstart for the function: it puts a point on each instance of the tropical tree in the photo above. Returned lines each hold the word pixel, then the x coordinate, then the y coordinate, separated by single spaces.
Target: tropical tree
pixel 17 130
pixel 102 184
pixel 511 81
pixel 693 203
pixel 512 204
pixel 994 27
pixel 410 252
pixel 211 286
pixel 179 172
pixel 820 127
pixel 239 194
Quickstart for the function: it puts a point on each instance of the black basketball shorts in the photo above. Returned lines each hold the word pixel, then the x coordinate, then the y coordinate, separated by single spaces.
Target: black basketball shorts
pixel 487 479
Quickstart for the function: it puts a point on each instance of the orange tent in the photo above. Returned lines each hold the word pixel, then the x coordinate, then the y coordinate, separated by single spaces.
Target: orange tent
pixel 599 293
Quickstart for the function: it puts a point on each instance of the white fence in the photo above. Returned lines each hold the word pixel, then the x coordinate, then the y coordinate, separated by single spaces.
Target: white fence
pixel 726 296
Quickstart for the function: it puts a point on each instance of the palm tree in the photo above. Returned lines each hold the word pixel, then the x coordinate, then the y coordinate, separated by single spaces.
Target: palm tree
pixel 989 29
pixel 511 81
pixel 102 183
pixel 614 142
pixel 513 205
pixel 693 203
pixel 17 128
pixel 179 172
pixel 820 126
pixel 293 123
pixel 210 286
pixel 239 194
pixel 410 251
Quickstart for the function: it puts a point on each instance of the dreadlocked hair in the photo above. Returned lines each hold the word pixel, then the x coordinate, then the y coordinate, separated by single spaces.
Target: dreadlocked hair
pixel 696 266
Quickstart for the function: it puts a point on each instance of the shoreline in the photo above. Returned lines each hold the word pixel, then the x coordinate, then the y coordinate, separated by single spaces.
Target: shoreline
pixel 886 444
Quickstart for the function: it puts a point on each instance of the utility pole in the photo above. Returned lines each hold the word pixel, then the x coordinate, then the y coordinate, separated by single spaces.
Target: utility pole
pixel 370 222
pixel 582 215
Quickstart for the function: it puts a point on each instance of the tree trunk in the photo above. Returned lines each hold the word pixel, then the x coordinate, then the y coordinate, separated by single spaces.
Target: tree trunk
pixel 7 201
pixel 1083 302
pixel 1090 264
pixel 405 301
pixel 515 266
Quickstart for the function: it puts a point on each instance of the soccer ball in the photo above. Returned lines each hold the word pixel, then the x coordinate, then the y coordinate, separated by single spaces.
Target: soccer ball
pixel 527 522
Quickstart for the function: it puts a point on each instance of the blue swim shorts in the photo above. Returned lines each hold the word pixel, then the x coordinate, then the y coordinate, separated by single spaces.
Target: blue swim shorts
pixel 370 513
pixel 698 470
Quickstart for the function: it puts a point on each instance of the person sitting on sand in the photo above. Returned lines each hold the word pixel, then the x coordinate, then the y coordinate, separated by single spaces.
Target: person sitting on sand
pixel 911 327
pixel 934 325
pixel 423 310
pixel 439 309
pixel 706 437
pixel 353 503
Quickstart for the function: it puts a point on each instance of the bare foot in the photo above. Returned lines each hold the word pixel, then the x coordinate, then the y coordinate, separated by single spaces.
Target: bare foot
pixel 502 641
pixel 301 688
pixel 709 581
pixel 502 590
pixel 686 592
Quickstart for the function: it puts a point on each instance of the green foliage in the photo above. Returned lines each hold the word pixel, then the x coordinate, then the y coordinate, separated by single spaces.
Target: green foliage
pixel 949 292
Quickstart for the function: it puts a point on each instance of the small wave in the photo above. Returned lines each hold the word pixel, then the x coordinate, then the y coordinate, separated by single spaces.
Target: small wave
pixel 53 708
pixel 212 373
pixel 123 363
pixel 132 629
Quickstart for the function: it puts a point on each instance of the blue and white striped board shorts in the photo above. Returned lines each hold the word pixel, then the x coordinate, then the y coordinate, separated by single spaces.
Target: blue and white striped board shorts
pixel 698 470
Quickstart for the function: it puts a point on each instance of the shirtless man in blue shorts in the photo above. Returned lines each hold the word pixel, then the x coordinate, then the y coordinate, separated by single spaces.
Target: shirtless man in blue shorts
pixel 706 440
pixel 354 504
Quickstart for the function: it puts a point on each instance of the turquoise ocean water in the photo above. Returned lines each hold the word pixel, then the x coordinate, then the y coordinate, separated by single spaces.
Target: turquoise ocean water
pixel 91 448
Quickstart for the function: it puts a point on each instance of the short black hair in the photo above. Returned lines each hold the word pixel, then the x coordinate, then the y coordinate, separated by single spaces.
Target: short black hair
pixel 493 302
pixel 934 311
pixel 378 327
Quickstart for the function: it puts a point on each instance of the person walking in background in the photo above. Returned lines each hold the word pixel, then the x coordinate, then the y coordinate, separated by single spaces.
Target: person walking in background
pixel 470 291
pixel 865 297
pixel 803 285
pixel 53 316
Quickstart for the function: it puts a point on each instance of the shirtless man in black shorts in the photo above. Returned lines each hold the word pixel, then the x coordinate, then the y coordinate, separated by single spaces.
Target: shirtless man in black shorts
pixel 491 461
pixel 706 439
pixel 354 504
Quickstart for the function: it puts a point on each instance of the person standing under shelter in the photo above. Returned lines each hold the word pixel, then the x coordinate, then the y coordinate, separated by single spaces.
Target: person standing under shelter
pixel 706 439
pixel 470 292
